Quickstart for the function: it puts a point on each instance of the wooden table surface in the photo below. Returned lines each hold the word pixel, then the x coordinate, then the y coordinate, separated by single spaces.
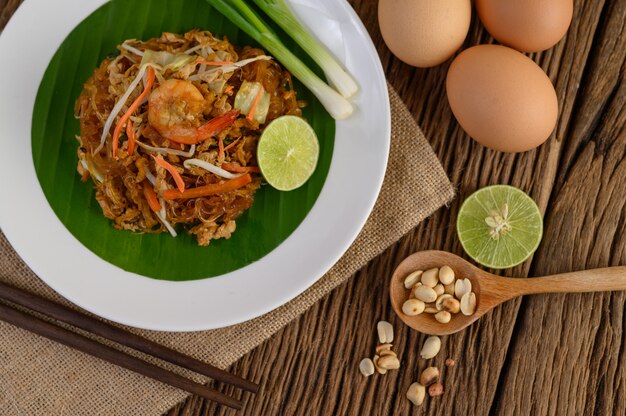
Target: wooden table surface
pixel 540 355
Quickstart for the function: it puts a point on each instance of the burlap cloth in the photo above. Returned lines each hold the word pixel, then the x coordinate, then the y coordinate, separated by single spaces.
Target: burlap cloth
pixel 39 377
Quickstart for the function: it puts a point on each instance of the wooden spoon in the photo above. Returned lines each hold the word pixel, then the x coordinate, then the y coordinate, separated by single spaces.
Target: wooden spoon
pixel 492 290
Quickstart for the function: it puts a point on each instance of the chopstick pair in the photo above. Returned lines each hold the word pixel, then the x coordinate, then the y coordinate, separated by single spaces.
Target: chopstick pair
pixel 79 342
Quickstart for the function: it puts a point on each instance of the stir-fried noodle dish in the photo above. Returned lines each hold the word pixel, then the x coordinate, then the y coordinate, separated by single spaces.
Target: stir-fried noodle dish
pixel 169 130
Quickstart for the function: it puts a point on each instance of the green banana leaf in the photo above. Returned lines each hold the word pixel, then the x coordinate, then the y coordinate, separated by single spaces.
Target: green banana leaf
pixel 273 216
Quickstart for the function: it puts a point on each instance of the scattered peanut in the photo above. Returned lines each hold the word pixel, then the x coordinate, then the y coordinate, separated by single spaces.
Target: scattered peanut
pixel 366 367
pixel 377 367
pixel 430 277
pixel 425 294
pixel 448 289
pixel 385 359
pixel 429 376
pixel 431 347
pixel 461 287
pixel 413 307
pixel 383 347
pixel 387 352
pixel 435 390
pixel 385 332
pixel 439 289
pixel 443 317
pixel 446 275
pixel 468 303
pixel 412 279
pixel 389 362
pixel 416 393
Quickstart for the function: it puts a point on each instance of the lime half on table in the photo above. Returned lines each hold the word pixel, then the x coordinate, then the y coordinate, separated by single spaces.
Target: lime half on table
pixel 287 153
pixel 499 226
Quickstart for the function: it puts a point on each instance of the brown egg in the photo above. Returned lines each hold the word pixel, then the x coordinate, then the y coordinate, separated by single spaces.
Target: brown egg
pixel 424 33
pixel 526 25
pixel 501 98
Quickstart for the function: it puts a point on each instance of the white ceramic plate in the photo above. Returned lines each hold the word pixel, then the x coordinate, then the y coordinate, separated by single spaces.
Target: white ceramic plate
pixel 354 180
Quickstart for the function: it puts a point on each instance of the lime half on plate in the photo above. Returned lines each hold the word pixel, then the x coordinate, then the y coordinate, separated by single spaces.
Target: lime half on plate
pixel 288 152
pixel 499 226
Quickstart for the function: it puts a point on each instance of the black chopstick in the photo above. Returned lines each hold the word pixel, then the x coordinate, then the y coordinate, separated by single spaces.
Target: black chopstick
pixel 96 327
pixel 128 339
pixel 86 345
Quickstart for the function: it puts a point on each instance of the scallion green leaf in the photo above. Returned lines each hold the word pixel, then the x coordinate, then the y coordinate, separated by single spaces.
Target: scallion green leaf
pixel 280 13
pixel 238 12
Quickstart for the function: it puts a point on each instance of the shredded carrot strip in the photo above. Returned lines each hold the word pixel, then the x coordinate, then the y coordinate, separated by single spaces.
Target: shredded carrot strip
pixel 132 136
pixel 232 144
pixel 228 89
pixel 211 189
pixel 132 108
pixel 255 104
pixel 209 129
pixel 172 170
pixel 239 169
pixel 220 144
pixel 214 63
pixel 148 192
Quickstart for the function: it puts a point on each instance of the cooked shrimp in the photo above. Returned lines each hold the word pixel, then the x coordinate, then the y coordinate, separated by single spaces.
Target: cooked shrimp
pixel 173 109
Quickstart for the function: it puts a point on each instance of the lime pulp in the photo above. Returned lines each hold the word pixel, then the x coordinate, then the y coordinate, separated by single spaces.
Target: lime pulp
pixel 287 153
pixel 499 226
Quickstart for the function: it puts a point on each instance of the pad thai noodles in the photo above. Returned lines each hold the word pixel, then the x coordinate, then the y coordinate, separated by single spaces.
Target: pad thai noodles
pixel 169 130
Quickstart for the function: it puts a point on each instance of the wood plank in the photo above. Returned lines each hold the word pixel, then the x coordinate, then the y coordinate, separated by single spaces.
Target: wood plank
pixel 567 352
pixel 330 385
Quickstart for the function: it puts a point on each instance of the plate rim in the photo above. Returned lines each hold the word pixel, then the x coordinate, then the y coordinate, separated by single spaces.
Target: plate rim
pixel 135 282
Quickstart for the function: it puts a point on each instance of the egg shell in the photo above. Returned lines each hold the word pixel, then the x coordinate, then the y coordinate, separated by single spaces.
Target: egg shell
pixel 526 25
pixel 501 98
pixel 424 33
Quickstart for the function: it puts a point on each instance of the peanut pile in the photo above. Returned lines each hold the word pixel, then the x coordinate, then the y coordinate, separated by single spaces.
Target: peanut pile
pixel 437 291
pixel 385 359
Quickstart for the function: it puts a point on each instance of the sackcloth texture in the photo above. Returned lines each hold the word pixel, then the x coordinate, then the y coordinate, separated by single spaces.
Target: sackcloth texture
pixel 40 377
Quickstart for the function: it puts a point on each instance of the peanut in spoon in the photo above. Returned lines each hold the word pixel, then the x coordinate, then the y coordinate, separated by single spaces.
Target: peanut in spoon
pixel 492 290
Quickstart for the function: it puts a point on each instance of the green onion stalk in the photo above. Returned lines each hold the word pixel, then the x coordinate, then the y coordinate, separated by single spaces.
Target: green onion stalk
pixel 238 12
pixel 280 13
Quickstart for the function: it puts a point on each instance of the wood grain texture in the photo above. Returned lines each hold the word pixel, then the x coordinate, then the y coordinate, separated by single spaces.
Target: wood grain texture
pixel 546 354
pixel 539 355
pixel 491 290
pixel 7 8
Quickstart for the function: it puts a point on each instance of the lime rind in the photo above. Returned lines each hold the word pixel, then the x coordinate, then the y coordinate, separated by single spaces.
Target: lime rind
pixel 288 153
pixel 510 249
